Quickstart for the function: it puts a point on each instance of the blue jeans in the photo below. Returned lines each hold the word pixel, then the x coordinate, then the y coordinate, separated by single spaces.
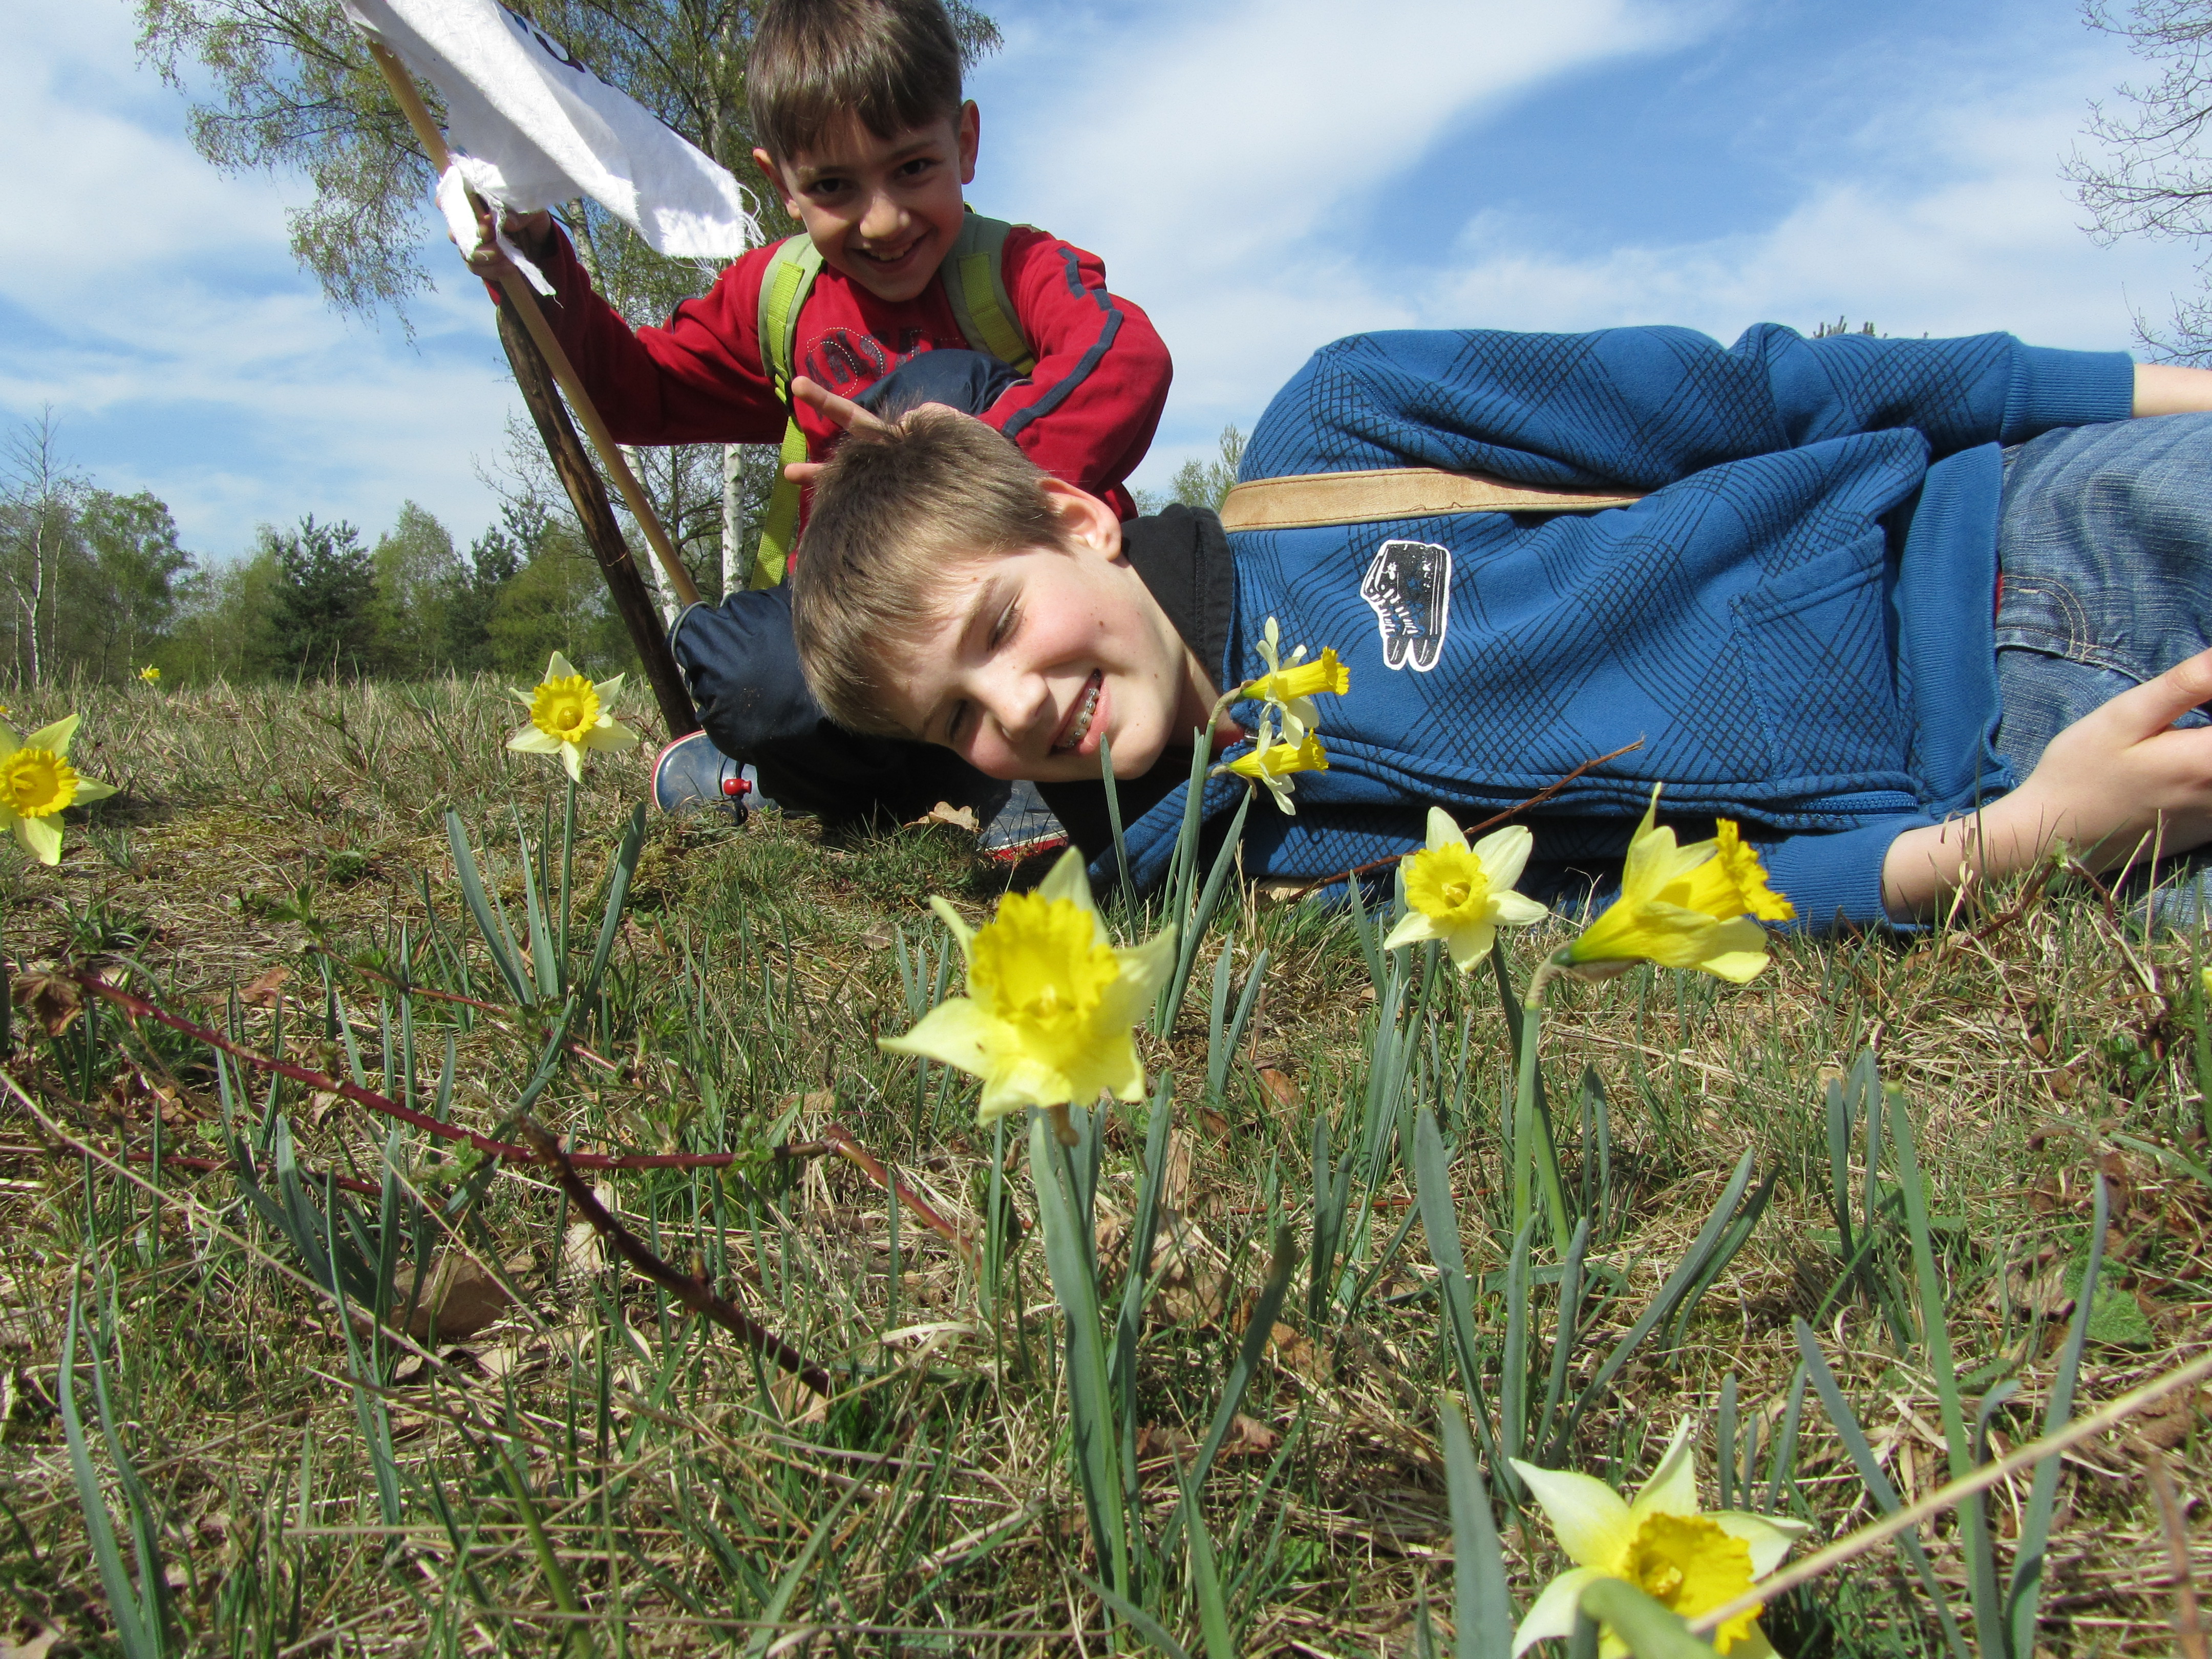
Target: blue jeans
pixel 2104 549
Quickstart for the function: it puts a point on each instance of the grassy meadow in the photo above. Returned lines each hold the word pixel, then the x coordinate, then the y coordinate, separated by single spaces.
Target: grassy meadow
pixel 574 1460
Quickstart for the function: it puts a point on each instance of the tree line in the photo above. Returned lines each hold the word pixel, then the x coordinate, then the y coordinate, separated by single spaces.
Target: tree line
pixel 95 585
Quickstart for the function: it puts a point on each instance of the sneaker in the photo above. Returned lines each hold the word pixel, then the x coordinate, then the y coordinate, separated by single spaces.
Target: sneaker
pixel 692 774
pixel 1022 827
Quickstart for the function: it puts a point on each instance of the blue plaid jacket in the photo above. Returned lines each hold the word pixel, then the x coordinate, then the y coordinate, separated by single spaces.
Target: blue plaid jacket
pixel 1795 623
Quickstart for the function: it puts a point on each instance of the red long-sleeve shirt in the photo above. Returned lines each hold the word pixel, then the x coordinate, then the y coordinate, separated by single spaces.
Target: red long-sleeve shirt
pixel 1086 413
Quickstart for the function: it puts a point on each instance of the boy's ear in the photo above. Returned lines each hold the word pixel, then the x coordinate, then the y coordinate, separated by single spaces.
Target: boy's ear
pixel 1089 524
pixel 776 182
pixel 969 130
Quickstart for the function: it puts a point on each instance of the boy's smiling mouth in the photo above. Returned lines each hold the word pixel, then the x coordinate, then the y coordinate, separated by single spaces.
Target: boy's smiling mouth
pixel 889 260
pixel 1082 717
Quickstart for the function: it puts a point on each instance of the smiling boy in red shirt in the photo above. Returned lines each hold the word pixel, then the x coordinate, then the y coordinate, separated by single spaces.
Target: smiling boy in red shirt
pixel 865 137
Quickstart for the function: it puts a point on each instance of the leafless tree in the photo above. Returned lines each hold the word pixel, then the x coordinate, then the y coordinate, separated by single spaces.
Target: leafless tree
pixel 2146 171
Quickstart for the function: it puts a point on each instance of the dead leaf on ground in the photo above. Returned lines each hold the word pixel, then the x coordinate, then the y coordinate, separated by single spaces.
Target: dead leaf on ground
pixel 32 1647
pixel 461 1295
pixel 1280 1085
pixel 267 988
pixel 49 999
pixel 1175 1179
pixel 1249 1438
pixel 582 1253
pixel 2168 1425
pixel 1295 1351
pixel 960 817
pixel 1162 1440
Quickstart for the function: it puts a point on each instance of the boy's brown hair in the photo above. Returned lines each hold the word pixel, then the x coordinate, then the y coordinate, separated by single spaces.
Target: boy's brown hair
pixel 893 510
pixel 894 64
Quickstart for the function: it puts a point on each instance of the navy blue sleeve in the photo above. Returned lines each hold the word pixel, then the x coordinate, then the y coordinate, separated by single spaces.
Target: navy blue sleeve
pixel 1645 407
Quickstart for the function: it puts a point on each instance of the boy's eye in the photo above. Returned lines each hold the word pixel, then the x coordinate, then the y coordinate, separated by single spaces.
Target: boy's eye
pixel 1002 629
pixel 956 723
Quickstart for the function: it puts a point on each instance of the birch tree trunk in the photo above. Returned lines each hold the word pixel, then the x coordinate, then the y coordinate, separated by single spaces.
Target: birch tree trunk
pixel 663 594
pixel 734 573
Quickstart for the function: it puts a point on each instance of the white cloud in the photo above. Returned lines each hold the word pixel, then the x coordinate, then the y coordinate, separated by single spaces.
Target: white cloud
pixel 1941 214
pixel 1188 143
pixel 155 304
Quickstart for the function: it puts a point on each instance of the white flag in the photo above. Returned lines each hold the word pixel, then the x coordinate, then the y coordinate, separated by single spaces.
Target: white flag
pixel 530 126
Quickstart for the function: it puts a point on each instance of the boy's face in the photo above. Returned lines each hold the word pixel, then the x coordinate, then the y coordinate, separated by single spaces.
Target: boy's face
pixel 884 211
pixel 1041 655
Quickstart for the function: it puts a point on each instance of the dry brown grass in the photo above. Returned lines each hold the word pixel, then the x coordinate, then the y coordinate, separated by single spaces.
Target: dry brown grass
pixel 678 1482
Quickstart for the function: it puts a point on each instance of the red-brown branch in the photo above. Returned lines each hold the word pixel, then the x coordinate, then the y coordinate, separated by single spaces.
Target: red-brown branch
pixel 694 1293
pixel 1490 823
pixel 861 1159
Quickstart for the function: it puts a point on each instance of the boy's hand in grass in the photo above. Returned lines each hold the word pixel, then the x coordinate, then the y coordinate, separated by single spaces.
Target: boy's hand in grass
pixel 2111 785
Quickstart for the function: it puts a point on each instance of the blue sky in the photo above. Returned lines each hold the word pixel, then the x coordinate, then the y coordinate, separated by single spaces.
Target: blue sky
pixel 1261 175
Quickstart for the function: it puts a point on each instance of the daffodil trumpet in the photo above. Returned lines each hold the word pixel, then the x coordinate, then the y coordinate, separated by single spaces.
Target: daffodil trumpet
pixel 569 716
pixel 38 785
pixel 1688 1560
pixel 1051 1005
pixel 1699 906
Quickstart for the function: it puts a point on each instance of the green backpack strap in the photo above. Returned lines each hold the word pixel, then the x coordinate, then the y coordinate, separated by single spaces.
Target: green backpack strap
pixel 977 288
pixel 790 272
pixel 980 304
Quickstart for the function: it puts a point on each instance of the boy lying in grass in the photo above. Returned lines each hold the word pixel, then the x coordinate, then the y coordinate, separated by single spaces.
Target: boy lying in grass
pixel 1903 609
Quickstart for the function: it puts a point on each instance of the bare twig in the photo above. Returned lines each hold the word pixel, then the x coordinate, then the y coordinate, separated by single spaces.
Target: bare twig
pixel 2188 1627
pixel 694 1293
pixel 1491 822
pixel 861 1158
pixel 1851 1546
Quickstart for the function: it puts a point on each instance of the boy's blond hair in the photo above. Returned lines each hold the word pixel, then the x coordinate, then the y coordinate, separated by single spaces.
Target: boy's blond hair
pixel 894 511
pixel 893 64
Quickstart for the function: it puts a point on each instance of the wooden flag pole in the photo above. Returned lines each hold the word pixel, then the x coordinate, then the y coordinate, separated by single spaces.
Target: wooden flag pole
pixel 524 301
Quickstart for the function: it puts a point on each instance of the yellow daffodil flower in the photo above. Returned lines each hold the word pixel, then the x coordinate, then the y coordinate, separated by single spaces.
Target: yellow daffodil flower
pixel 1461 894
pixel 567 717
pixel 1692 1562
pixel 1685 906
pixel 150 674
pixel 1271 763
pixel 1051 1000
pixel 38 784
pixel 1290 685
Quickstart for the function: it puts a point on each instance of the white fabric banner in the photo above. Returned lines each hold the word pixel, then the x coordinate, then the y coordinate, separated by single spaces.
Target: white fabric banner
pixel 530 126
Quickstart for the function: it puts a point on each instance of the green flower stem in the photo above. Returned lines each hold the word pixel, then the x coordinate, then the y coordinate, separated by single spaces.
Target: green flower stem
pixel 1533 1155
pixel 567 870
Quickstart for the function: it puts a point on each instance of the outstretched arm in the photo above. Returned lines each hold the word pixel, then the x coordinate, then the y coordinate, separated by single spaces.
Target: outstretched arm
pixel 2170 389
pixel 2109 785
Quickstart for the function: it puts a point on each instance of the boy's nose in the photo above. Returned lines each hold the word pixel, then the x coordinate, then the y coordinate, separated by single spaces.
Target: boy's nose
pixel 1021 706
pixel 884 219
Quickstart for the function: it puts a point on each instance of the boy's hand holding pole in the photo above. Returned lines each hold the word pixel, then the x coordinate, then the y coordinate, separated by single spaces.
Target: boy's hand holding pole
pixel 499 268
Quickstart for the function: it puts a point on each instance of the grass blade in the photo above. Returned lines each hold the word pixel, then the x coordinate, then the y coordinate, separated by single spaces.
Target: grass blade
pixel 1482 1609
pixel 1205 1579
pixel 1257 1332
pixel 135 1626
pixel 787 1586
pixel 1440 1221
pixel 1678 1284
pixel 1877 1483
pixel 496 937
pixel 2025 1592
pixel 1068 1259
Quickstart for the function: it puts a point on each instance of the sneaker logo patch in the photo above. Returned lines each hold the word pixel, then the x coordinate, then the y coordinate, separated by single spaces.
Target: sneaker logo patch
pixel 1408 586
